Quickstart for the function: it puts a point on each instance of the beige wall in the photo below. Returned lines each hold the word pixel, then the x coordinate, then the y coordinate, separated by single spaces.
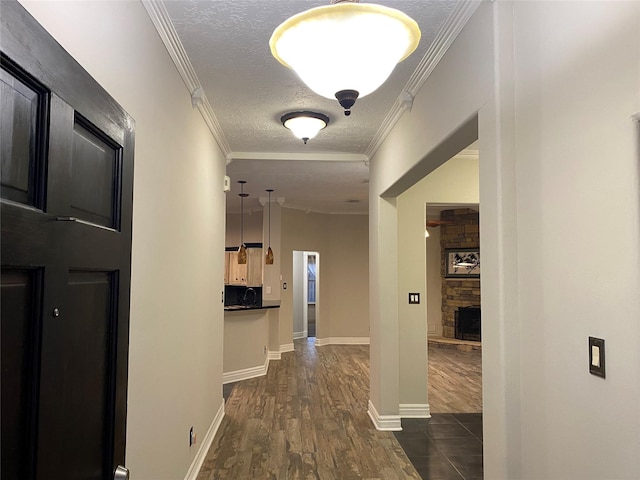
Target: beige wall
pixel 271 273
pixel 175 356
pixel 553 86
pixel 246 334
pixel 434 283
pixel 341 241
pixel 252 227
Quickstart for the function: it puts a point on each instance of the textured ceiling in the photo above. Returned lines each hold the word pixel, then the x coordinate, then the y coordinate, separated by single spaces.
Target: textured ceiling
pixel 227 43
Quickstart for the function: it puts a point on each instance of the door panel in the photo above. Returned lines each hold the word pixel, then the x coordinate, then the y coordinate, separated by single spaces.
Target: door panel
pixel 18 335
pixel 95 176
pixel 66 206
pixel 77 366
pixel 22 111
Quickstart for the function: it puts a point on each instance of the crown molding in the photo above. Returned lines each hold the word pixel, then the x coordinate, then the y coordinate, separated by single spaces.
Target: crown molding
pixel 324 157
pixel 448 33
pixel 308 210
pixel 298 208
pixel 468 154
pixel 160 19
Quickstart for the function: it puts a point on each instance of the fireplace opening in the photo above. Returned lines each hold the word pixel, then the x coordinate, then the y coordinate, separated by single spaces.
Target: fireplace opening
pixel 467 323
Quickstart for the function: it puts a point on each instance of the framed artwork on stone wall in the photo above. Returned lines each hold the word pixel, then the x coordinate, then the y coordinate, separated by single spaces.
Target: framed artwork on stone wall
pixel 462 263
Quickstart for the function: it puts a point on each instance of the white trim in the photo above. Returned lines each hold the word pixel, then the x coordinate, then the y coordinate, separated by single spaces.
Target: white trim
pixel 387 423
pixel 161 20
pixel 319 210
pixel 274 355
pixel 318 156
pixel 321 342
pixel 246 373
pixel 449 32
pixel 198 460
pixel 299 335
pixel 287 347
pixel 414 410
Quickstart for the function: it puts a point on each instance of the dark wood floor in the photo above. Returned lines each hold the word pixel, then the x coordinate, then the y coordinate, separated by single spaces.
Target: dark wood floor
pixel 455 380
pixel 306 419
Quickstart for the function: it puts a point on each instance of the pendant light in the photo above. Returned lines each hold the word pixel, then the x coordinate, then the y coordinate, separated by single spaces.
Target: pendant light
pixel 345 50
pixel 269 257
pixel 242 251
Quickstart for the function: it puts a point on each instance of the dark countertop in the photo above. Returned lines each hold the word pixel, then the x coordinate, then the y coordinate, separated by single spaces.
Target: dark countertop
pixel 241 308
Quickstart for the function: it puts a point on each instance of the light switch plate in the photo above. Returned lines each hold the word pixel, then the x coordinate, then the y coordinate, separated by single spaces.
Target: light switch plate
pixel 414 298
pixel 596 357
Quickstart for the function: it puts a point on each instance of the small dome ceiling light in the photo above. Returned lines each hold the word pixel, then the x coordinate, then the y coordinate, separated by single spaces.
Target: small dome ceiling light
pixel 305 125
pixel 345 50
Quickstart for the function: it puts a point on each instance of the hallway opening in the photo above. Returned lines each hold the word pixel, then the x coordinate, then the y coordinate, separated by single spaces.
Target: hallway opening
pixel 305 292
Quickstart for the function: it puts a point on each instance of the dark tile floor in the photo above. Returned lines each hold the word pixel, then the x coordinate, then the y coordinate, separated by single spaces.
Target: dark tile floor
pixel 447 446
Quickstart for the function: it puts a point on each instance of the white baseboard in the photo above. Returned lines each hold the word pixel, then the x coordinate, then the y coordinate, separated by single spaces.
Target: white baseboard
pixel 414 410
pixel 320 342
pixel 287 347
pixel 274 355
pixel 389 423
pixel 246 373
pixel 298 335
pixel 198 460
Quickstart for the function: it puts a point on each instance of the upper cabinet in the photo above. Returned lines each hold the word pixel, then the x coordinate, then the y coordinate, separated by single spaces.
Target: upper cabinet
pixel 249 274
pixel 254 267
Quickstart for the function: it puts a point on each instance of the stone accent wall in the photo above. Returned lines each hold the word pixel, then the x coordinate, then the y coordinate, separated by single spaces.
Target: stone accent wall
pixel 464 233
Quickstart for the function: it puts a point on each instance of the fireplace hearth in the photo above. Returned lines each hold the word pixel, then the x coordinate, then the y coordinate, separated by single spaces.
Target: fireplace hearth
pixel 467 323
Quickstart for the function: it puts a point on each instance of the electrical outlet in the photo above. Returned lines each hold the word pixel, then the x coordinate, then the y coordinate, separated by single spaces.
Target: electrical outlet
pixel 192 437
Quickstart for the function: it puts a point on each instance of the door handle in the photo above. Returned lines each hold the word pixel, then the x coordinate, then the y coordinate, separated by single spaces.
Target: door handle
pixel 121 473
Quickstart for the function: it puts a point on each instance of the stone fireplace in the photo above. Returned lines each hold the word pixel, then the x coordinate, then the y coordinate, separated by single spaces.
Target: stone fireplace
pixel 460 230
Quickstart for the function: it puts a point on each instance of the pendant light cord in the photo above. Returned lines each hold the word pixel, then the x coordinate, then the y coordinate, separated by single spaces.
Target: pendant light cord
pixel 242 195
pixel 269 218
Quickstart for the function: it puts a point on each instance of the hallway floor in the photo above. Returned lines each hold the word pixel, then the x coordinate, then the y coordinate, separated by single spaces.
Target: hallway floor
pixel 447 446
pixel 307 418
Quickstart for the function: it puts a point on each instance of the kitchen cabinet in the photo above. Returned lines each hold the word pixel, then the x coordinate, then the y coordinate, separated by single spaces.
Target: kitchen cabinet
pixel 249 274
pixel 226 268
pixel 237 272
pixel 254 267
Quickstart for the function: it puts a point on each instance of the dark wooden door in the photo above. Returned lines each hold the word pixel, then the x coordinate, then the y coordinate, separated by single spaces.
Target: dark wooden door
pixel 66 186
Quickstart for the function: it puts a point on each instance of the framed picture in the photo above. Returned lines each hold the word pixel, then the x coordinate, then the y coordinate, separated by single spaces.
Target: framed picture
pixel 462 262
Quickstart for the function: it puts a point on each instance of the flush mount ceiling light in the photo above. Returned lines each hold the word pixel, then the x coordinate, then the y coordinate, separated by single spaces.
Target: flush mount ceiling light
pixel 345 50
pixel 304 125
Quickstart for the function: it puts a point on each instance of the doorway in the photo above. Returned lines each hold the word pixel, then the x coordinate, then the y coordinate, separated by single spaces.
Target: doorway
pixel 452 230
pixel 311 294
pixel 306 278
